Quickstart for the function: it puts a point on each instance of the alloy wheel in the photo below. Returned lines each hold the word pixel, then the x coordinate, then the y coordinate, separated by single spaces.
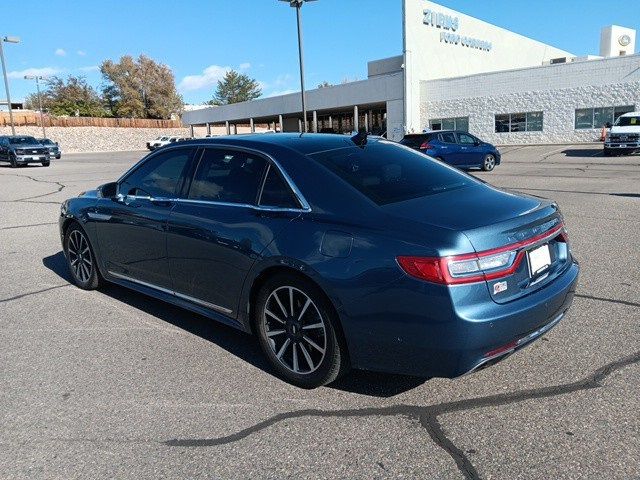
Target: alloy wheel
pixel 489 162
pixel 295 330
pixel 79 254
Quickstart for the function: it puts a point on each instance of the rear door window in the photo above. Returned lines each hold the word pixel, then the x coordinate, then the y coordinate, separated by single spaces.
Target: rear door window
pixel 388 173
pixel 228 176
pixel 276 191
pixel 448 137
pixel 466 139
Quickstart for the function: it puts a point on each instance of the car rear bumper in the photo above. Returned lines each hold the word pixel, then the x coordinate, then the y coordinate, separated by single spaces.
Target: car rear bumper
pixel 433 333
pixel 622 145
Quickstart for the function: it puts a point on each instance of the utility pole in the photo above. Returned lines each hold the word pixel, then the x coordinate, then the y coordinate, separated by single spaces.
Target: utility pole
pixel 297 4
pixel 6 81
pixel 37 78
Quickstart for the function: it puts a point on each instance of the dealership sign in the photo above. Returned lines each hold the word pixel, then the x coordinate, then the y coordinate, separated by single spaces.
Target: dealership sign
pixel 449 34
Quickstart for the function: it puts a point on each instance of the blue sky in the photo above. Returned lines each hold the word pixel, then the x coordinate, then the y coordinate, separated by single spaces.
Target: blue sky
pixel 200 39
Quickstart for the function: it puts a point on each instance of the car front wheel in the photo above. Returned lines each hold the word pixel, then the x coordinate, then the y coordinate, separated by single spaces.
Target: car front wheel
pixel 489 163
pixel 298 332
pixel 13 161
pixel 46 164
pixel 81 259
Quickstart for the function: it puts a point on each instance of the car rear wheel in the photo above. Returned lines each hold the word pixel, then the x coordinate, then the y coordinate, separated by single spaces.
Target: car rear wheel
pixel 489 163
pixel 298 332
pixel 81 259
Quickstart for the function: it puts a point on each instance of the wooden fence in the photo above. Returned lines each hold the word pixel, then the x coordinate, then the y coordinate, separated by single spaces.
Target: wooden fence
pixel 31 118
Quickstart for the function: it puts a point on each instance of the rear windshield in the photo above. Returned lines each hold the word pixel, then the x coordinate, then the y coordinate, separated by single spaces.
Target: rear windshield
pixel 414 141
pixel 628 121
pixel 388 173
pixel 22 140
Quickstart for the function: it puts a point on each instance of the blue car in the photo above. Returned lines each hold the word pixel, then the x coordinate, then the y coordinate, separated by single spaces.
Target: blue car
pixel 459 149
pixel 334 252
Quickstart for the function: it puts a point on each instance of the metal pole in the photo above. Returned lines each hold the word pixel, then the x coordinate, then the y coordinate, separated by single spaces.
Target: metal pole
pixel 44 133
pixel 301 56
pixel 6 86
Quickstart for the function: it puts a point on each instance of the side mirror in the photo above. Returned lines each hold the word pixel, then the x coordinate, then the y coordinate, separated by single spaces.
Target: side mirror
pixel 476 143
pixel 108 190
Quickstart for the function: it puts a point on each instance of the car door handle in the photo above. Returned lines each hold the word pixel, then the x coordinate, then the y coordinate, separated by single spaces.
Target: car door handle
pixel 162 202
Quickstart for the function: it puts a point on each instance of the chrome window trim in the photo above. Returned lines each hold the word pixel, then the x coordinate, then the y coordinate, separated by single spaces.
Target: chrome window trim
pixel 305 207
pixel 172 292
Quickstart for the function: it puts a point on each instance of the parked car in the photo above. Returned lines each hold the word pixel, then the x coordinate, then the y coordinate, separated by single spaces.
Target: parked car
pixel 333 254
pixel 21 150
pixel 457 148
pixel 53 147
pixel 162 141
pixel 624 136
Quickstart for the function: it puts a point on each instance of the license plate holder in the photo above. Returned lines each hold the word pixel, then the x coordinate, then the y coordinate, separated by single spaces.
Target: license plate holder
pixel 539 259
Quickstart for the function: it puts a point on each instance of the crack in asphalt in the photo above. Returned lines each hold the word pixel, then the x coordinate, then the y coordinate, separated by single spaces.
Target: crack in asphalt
pixel 610 300
pixel 22 295
pixel 428 416
pixel 61 186
pixel 30 225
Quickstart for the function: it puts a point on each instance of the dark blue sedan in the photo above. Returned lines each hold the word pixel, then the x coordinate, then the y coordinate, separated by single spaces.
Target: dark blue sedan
pixel 460 149
pixel 334 252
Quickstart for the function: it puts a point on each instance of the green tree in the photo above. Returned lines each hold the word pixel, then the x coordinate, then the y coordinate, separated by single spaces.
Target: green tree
pixel 324 84
pixel 234 88
pixel 140 88
pixel 68 97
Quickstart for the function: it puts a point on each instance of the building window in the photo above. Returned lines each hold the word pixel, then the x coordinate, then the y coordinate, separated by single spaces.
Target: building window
pixel 454 123
pixel 599 117
pixel 519 122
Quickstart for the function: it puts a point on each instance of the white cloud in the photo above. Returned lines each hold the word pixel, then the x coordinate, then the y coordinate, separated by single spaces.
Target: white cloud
pixel 245 66
pixel 61 52
pixel 43 72
pixel 82 53
pixel 90 68
pixel 206 79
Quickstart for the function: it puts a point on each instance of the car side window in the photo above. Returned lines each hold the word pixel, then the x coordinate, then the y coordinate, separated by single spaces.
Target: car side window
pixel 466 139
pixel 276 191
pixel 228 176
pixel 159 176
pixel 448 137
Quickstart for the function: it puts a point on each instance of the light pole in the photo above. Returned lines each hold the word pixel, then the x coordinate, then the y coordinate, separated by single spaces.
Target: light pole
pixel 297 4
pixel 6 82
pixel 37 78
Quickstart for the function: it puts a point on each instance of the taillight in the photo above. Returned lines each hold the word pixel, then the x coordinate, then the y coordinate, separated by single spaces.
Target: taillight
pixel 426 146
pixel 474 267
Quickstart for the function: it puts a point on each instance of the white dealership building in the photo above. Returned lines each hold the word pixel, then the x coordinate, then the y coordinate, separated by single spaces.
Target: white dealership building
pixel 459 72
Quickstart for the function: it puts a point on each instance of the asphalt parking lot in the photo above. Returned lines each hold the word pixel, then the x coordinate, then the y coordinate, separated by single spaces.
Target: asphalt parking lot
pixel 111 384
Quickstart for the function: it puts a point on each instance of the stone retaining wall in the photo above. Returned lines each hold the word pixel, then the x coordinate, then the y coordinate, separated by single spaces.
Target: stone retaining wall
pixel 108 139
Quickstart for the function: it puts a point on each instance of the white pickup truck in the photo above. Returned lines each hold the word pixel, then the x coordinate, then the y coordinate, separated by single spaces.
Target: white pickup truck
pixel 162 141
pixel 624 136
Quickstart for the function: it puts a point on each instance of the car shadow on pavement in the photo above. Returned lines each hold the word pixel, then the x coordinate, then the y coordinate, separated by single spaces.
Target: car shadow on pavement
pixel 240 344
pixel 583 152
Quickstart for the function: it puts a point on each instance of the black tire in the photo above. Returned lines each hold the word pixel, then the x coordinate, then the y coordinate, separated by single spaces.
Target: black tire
pixel 81 260
pixel 608 152
pixel 489 162
pixel 46 164
pixel 299 362
pixel 13 161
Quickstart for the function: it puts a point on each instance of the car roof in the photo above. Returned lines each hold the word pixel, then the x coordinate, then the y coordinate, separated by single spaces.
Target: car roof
pixel 630 114
pixel 432 132
pixel 304 143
